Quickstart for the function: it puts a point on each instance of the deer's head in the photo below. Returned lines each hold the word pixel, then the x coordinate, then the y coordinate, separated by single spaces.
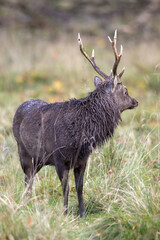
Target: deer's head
pixel 111 84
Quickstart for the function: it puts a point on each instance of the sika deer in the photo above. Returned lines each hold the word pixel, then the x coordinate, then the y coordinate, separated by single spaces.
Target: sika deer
pixel 64 134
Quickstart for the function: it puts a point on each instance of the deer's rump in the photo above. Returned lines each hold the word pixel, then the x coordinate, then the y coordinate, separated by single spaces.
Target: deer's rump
pixel 23 110
pixel 28 109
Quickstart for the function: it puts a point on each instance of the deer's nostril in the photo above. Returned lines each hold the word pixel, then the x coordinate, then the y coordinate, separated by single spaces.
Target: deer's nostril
pixel 135 102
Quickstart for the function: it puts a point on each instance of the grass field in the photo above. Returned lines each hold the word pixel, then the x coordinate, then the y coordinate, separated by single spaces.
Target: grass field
pixel 122 179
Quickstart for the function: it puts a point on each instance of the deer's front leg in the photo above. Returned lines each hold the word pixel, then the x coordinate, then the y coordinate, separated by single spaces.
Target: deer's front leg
pixel 78 174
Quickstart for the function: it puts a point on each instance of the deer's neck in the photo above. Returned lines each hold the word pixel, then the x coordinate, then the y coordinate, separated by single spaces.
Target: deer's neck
pixel 97 118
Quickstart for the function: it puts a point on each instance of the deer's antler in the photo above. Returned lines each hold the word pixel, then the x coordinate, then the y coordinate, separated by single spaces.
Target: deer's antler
pixel 117 56
pixel 92 59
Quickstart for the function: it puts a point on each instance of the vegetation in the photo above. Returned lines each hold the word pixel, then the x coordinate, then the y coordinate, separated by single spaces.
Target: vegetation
pixel 122 179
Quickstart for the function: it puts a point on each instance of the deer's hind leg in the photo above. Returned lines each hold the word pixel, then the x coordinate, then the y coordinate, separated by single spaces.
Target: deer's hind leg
pixel 27 165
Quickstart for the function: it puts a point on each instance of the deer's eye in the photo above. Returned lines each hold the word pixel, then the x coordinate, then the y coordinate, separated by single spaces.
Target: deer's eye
pixel 126 92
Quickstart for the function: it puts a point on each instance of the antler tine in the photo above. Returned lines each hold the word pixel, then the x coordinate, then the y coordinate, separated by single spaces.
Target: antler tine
pixel 117 56
pixel 92 59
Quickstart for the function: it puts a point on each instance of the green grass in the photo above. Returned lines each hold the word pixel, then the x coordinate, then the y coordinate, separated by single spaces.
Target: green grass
pixel 122 178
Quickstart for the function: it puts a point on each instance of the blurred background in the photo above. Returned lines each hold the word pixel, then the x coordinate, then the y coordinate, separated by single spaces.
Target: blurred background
pixel 133 17
pixel 40 57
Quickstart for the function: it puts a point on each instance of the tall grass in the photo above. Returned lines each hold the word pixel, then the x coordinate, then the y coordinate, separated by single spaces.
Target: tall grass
pixel 122 179
pixel 130 197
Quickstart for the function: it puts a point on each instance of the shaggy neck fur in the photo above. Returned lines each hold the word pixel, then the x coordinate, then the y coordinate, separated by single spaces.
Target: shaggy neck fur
pixel 95 118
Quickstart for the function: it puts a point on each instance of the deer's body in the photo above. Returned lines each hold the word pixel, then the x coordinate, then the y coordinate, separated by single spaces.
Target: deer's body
pixel 64 134
pixel 71 129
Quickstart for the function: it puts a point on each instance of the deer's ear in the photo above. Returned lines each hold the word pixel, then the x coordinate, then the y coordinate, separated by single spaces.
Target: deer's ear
pixel 97 80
